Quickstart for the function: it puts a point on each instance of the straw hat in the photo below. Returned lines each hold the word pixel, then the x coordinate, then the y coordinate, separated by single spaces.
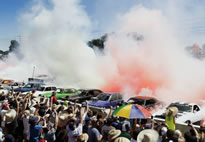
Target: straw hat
pixel 148 135
pixel 82 138
pixel 27 113
pixel 172 110
pixel 122 139
pixel 113 133
pixel 10 116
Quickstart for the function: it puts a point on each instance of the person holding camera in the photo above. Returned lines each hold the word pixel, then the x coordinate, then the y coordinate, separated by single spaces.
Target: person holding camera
pixel 192 135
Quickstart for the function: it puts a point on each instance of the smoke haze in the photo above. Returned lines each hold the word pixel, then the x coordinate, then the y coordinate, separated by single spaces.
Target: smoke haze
pixel 54 41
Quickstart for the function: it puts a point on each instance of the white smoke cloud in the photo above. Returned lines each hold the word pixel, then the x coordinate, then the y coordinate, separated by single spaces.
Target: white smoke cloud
pixel 54 41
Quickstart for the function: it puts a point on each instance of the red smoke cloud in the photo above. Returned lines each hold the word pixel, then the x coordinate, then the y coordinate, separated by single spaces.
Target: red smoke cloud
pixel 134 73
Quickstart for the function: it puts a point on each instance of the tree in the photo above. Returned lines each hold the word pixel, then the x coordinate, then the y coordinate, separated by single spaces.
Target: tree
pixel 98 43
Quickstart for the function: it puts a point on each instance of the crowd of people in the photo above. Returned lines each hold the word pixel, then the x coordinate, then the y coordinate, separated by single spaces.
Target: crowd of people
pixel 26 118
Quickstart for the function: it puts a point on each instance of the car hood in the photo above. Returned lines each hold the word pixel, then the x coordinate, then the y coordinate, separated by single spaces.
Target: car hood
pixel 99 103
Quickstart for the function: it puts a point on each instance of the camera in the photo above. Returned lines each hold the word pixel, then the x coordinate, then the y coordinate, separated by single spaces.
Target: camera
pixel 188 122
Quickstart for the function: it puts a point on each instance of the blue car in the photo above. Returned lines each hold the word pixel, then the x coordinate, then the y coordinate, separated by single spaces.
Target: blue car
pixel 106 100
pixel 28 87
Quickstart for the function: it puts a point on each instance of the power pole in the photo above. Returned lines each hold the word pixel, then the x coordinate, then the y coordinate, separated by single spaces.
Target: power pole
pixel 33 71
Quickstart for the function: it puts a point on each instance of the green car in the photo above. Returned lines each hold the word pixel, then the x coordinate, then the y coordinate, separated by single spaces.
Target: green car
pixel 63 92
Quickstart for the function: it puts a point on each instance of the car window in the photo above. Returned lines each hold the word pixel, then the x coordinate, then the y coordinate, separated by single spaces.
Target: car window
pixel 69 91
pixel 41 88
pixel 48 89
pixel 136 101
pixel 59 90
pixel 35 86
pixel 53 88
pixel 182 107
pixel 150 102
pixel 28 85
pixel 196 108
pixel 114 97
pixel 120 97
pixel 103 97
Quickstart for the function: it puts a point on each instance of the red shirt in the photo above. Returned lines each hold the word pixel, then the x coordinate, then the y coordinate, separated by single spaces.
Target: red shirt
pixel 54 99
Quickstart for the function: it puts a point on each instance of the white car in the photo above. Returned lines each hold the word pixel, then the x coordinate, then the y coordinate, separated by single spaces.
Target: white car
pixel 186 112
pixel 42 90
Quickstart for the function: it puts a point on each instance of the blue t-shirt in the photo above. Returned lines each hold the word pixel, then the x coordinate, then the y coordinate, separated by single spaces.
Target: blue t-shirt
pixel 35 132
pixel 93 134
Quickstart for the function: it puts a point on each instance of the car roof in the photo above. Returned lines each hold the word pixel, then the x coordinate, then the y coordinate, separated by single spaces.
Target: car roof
pixel 110 93
pixel 143 97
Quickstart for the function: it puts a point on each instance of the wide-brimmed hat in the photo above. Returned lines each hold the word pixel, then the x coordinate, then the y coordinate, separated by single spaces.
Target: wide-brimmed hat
pixel 122 139
pixel 10 116
pixel 148 135
pixel 27 113
pixel 172 110
pixel 82 138
pixel 113 133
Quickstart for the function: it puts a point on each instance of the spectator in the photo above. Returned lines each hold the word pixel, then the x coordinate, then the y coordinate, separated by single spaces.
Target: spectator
pixel 53 98
pixel 125 131
pixel 114 136
pixel 106 128
pixel 93 133
pixel 148 135
pixel 75 130
pixel 34 129
pixel 170 117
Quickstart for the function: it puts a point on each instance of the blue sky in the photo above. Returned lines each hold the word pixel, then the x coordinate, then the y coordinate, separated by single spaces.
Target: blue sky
pixel 188 14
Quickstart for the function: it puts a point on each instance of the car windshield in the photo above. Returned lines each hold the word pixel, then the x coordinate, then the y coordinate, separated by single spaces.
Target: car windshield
pixel 60 90
pixel 136 101
pixel 103 97
pixel 182 107
pixel 41 88
pixel 28 86
pixel 69 91
pixel 66 91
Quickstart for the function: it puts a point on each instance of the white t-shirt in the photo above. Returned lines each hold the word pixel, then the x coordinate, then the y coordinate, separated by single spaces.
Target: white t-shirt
pixel 72 135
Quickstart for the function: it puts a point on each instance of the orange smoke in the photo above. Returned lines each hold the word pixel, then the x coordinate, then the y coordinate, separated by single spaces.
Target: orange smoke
pixel 135 73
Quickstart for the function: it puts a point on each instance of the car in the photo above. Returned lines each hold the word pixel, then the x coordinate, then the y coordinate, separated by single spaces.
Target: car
pixel 28 87
pixel 85 95
pixel 148 102
pixel 106 100
pixel 63 92
pixel 186 112
pixel 43 90
pixel 7 82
